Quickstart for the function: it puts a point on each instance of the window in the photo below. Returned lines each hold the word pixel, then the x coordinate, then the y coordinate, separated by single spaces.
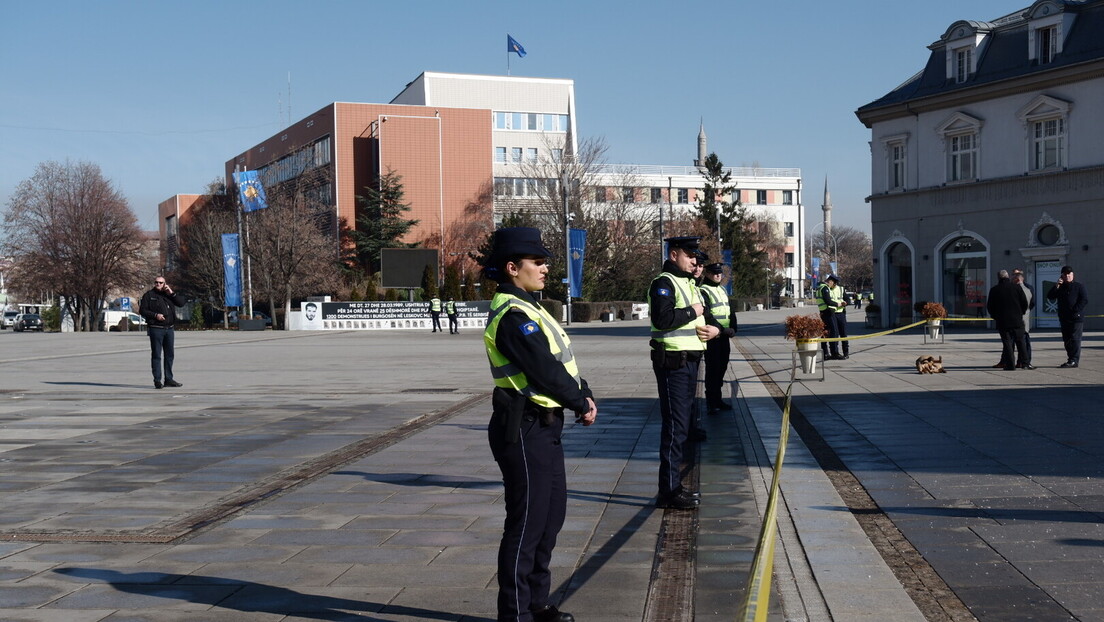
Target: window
pixel 963 157
pixel 657 195
pixel 628 195
pixel 897 166
pixel 500 155
pixel 789 260
pixel 170 226
pixel 1048 141
pixel 530 121
pixel 515 121
pixel 787 197
pixel 531 154
pixel 600 194
pixel 1046 41
pixel 515 155
pixel 502 187
pixel 683 195
pixel 500 120
pixel 963 64
pixel 760 197
pixel 789 229
pixel 557 155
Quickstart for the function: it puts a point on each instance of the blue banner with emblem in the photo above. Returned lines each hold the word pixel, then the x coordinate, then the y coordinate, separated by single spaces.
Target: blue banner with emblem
pixel 231 265
pixel 251 191
pixel 577 243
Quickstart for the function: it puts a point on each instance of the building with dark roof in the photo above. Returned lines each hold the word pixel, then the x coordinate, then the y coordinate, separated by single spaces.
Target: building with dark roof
pixel 991 157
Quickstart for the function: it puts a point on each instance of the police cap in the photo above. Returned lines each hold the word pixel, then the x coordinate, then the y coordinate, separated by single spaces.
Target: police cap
pixel 686 242
pixel 715 268
pixel 515 241
pixel 832 277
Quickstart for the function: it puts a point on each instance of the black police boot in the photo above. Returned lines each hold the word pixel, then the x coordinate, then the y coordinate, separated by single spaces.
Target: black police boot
pixel 549 613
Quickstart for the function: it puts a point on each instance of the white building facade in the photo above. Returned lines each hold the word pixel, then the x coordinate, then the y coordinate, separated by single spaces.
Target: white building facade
pixel 990 158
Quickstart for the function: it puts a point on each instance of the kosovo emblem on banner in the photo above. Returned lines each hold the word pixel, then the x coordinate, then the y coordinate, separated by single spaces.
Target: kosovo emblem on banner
pixel 251 191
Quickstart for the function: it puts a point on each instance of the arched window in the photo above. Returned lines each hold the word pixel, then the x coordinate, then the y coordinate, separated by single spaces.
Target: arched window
pixel 965 266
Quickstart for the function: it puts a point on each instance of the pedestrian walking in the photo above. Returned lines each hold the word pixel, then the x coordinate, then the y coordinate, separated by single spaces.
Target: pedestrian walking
pixel 435 313
pixel 717 351
pixel 450 311
pixel 1072 297
pixel 679 333
pixel 1007 304
pixel 157 306
pixel 536 378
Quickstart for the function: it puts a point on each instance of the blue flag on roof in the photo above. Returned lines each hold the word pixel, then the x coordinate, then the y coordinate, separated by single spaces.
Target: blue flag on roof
pixel 251 191
pixel 513 46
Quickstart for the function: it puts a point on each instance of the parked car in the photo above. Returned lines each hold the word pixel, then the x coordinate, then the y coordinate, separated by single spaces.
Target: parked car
pixel 28 321
pixel 114 320
pixel 257 315
pixel 9 319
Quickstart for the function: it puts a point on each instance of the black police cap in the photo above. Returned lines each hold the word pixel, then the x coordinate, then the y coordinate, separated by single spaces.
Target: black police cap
pixel 687 242
pixel 715 268
pixel 515 241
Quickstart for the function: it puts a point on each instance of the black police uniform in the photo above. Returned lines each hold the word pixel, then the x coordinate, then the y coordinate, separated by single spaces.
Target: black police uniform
pixel 529 454
pixel 717 352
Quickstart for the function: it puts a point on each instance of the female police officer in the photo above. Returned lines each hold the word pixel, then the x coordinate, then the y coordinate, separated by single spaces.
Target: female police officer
pixel 535 378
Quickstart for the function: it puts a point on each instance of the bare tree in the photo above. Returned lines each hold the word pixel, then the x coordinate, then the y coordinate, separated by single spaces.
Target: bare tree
pixel 293 250
pixel 70 232
pixel 851 249
pixel 202 272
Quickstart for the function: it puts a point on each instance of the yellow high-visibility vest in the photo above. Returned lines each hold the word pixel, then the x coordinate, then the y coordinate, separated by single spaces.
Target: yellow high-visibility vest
pixel 505 373
pixel 681 338
pixel 717 299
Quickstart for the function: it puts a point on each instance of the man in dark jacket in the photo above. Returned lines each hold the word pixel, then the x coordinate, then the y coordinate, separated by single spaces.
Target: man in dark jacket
pixel 1006 305
pixel 1072 298
pixel 157 307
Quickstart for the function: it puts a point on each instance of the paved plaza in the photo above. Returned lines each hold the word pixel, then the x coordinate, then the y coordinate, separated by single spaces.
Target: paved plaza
pixel 346 476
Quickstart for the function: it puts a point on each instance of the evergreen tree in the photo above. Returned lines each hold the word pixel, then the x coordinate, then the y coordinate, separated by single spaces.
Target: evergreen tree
pixel 380 222
pixel 713 205
pixel 429 283
pixel 452 283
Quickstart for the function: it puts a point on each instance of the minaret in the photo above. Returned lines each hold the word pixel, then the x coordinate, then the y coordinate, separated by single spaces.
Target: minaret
pixel 702 149
pixel 827 207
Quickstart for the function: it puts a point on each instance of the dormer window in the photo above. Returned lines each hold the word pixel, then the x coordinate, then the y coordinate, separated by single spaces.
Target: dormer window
pixel 964 61
pixel 1047 41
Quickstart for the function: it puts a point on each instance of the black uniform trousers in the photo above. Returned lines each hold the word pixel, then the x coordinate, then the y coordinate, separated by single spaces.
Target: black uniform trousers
pixel 436 315
pixel 1071 339
pixel 162 345
pixel 454 324
pixel 536 505
pixel 717 352
pixel 676 398
pixel 836 323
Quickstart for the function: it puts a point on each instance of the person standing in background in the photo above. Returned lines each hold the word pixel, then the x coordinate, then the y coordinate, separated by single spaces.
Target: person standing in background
pixel 157 306
pixel 1072 298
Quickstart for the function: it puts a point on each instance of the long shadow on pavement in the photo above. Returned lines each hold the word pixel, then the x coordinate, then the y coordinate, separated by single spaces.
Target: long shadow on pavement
pixel 248 596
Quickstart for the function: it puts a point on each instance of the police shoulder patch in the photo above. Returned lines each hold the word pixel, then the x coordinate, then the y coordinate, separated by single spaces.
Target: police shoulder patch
pixel 663 291
pixel 530 328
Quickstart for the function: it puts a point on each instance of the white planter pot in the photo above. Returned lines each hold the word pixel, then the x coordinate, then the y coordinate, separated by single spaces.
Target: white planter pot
pixel 807 352
pixel 933 327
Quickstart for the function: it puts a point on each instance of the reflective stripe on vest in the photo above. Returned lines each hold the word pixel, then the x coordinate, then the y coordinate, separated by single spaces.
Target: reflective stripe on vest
pixel 507 375
pixel 835 293
pixel 685 337
pixel 450 307
pixel 435 305
pixel 717 298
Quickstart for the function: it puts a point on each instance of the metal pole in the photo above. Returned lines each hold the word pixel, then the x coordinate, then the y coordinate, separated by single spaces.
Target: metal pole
pixel 567 246
pixel 670 205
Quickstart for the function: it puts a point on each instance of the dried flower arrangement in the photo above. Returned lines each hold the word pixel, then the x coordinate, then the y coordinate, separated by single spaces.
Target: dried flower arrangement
pixel 802 327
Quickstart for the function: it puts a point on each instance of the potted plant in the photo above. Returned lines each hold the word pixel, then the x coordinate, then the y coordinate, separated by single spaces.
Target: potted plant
pixel 873 315
pixel 934 313
pixel 802 329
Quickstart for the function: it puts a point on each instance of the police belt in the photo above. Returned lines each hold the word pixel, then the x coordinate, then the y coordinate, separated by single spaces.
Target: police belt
pixel 512 408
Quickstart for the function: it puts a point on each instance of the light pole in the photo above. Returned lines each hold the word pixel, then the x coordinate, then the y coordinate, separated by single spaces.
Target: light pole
pixel 567 247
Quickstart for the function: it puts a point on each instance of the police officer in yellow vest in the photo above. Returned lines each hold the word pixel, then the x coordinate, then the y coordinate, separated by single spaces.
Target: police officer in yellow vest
pixel 679 333
pixel 833 311
pixel 536 378
pixel 717 351
pixel 450 311
pixel 435 313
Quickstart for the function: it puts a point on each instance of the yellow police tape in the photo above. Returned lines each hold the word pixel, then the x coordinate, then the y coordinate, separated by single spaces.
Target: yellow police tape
pixel 894 330
pixel 757 596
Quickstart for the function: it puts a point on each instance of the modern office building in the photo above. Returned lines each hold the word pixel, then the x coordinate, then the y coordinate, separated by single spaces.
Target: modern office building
pixel 991 157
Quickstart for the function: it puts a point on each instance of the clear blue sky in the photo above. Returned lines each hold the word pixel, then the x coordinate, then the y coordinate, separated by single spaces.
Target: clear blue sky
pixel 161 94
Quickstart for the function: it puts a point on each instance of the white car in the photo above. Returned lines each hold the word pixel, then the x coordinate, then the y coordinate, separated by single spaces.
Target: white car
pixel 9 319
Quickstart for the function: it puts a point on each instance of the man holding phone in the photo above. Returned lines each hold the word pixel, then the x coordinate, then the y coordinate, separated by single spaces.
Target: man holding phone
pixel 156 306
pixel 1072 298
